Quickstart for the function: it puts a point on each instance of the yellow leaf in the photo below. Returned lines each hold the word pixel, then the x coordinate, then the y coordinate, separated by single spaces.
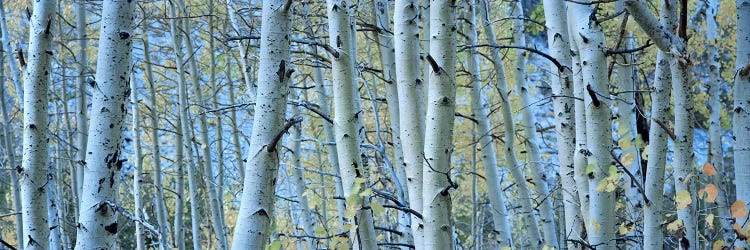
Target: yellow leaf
pixel 709 169
pixel 739 209
pixel 683 199
pixel 624 229
pixel 505 248
pixel 625 143
pixel 674 226
pixel 718 245
pixel 710 221
pixel 709 193
pixel 741 232
pixel 377 208
pixel 275 245
pixel 628 159
pixel 644 154
pixel 366 193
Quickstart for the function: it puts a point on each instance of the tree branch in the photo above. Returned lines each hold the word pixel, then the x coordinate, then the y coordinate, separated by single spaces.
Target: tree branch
pixel 277 138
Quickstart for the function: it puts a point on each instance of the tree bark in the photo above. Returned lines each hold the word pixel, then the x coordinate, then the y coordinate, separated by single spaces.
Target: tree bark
pixel 256 209
pixel 741 123
pixel 98 221
pixel 33 170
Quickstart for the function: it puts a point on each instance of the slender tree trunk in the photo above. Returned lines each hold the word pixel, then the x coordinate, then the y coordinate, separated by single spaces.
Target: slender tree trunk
pixel 581 153
pixel 52 183
pixel 589 37
pixel 564 109
pixel 715 131
pixel 15 72
pixel 184 135
pixel 97 227
pixel 742 111
pixel 138 162
pixel 680 67
pixel 346 124
pixel 235 132
pixel 298 177
pixel 387 60
pixel 241 29
pixel 82 126
pixel 438 145
pixel 480 111
pixel 409 89
pixel 256 209
pixel 546 214
pixel 33 171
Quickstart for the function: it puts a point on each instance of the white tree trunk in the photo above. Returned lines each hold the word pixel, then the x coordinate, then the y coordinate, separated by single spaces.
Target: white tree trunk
pixel 82 126
pixel 98 222
pixel 409 86
pixel 33 171
pixel 298 178
pixel 438 145
pixel 581 153
pixel 741 123
pixel 562 89
pixel 15 72
pixel 387 60
pixel 589 37
pixel 682 88
pixel 534 162
pixel 138 161
pixel 256 209
pixel 346 123
pixel 242 29
pixel 480 110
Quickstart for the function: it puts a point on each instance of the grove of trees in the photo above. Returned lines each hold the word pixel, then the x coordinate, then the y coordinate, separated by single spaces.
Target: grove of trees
pixel 380 124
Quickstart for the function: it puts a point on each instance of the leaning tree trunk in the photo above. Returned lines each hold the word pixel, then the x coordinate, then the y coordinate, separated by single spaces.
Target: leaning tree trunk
pixel 480 111
pixel 438 145
pixel 257 202
pixel 742 110
pixel 546 214
pixel 589 37
pixel 680 67
pixel 411 124
pixel 97 228
pixel 559 48
pixel 81 119
pixel 33 171
pixel 346 122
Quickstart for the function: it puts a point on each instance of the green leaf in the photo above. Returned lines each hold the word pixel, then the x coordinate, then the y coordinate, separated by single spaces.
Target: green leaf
pixel 377 208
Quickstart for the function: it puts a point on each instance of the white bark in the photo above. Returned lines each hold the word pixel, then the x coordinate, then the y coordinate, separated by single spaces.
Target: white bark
pixel 387 60
pixel 256 209
pixel 242 29
pixel 33 171
pixel 409 86
pixel 741 123
pixel 562 89
pixel 715 131
pixel 581 153
pixel 680 67
pixel 346 123
pixel 589 37
pixel 82 126
pixel 534 162
pixel 138 161
pixel 98 221
pixel 480 111
pixel 438 145
pixel 298 178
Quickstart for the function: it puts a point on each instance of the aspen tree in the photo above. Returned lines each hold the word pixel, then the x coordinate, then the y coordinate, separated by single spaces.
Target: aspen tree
pixel 741 120
pixel 588 35
pixel 387 60
pixel 438 143
pixel 33 171
pixel 82 126
pixel 346 121
pixel 480 111
pixel 257 202
pixel 546 214
pixel 98 225
pixel 564 109
pixel 138 162
pixel 682 89
pixel 409 85
pixel 10 154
